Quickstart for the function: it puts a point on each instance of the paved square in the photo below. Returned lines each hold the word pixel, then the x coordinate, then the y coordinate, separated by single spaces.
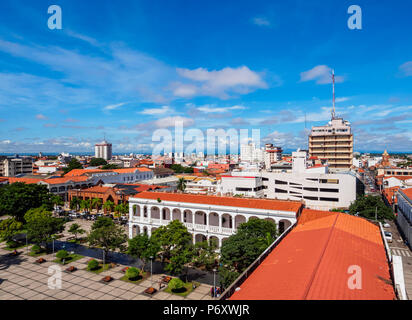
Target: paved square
pixel 22 279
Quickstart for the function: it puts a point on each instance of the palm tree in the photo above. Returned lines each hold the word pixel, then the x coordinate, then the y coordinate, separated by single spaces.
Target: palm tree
pixel 57 201
pixel 181 184
pixel 84 204
pixel 74 203
pixel 118 209
pixel 108 205
pixel 96 203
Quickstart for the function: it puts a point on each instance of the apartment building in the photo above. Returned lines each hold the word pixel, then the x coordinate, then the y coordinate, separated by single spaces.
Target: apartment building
pixel 334 143
pixel 13 166
pixel 272 154
pixel 404 217
pixel 103 150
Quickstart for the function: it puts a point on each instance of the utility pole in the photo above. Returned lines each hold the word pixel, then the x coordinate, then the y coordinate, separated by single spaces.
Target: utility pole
pixel 376 213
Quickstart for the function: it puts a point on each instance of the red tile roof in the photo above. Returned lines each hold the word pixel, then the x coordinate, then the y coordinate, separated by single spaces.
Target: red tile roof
pixel 224 201
pixel 408 193
pixel 312 262
pixel 388 193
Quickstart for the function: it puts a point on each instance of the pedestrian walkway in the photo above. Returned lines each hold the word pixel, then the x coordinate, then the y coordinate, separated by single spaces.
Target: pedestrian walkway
pixel 22 279
pixel 401 252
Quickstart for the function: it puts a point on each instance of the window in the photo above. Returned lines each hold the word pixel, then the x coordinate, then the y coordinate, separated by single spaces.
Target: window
pixel 328 190
pixel 311 198
pixel 280 190
pixel 329 199
pixel 280 182
pixel 311 189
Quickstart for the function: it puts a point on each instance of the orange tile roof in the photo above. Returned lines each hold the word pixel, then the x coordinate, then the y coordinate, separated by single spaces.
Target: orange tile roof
pixel 224 201
pixel 407 192
pixel 80 172
pixel 399 177
pixel 312 262
pixel 388 193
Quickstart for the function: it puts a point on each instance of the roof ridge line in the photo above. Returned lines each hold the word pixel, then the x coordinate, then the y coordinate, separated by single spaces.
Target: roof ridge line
pixel 312 278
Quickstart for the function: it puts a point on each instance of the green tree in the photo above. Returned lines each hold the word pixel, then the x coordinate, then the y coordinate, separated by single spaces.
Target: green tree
pixel 108 205
pixel 108 238
pixel 41 225
pixel 142 247
pixel 92 264
pixel 96 203
pixel 73 164
pixel 110 166
pixel 75 203
pixel 179 259
pixel 205 254
pixel 62 255
pixel 8 228
pixel 181 184
pixel 367 206
pixel 174 235
pixel 242 248
pixel 57 201
pixel 95 162
pixel 132 273
pixel 176 284
pixel 85 205
pixel 17 198
pixel 75 229
pixel 102 222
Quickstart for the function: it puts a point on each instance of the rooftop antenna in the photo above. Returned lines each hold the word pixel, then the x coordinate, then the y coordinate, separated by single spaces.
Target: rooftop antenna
pixel 333 82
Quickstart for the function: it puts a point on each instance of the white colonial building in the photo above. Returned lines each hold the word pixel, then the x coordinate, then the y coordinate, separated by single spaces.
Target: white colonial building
pixel 206 217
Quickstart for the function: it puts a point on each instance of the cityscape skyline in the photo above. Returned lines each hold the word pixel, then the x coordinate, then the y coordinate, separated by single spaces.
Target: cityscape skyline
pixel 125 75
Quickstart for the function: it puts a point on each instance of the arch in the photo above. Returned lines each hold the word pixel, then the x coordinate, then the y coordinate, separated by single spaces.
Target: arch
pixel 176 214
pixel 200 217
pixel 239 219
pixel 227 220
pixel 166 214
pixel 213 219
pixel 145 211
pixel 253 217
pixel 136 210
pixel 145 230
pixel 135 230
pixel 270 219
pixel 62 188
pixel 54 189
pixel 283 225
pixel 187 216
pixel 224 239
pixel 154 213
pixel 200 238
pixel 215 240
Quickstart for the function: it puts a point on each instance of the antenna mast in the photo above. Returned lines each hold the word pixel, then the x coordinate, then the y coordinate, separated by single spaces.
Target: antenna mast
pixel 333 82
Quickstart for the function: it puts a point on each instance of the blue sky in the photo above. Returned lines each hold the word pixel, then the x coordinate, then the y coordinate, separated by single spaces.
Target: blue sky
pixel 126 69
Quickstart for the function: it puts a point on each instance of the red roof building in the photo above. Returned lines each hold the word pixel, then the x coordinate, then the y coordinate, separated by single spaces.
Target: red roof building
pixel 314 261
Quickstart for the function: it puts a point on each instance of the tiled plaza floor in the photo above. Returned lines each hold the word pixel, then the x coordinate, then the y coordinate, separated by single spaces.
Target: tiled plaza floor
pixel 22 279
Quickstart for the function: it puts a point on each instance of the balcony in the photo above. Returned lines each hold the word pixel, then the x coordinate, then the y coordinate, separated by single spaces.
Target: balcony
pixel 190 226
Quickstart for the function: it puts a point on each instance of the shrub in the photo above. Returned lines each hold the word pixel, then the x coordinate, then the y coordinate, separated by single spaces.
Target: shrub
pixel 35 249
pixel 12 244
pixel 176 284
pixel 132 273
pixel 92 265
pixel 62 254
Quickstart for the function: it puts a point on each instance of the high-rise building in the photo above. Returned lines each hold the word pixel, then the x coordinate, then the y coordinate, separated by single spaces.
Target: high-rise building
pixel 250 153
pixel 272 154
pixel 13 166
pixel 103 150
pixel 333 142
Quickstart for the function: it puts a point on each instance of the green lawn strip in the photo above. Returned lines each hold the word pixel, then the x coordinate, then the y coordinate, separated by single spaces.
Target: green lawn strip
pixel 188 286
pixel 138 280
pixel 18 247
pixel 72 257
pixel 42 253
pixel 100 269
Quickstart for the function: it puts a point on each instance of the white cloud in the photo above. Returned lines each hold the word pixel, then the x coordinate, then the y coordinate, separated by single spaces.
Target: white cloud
pixel 213 109
pixel 406 68
pixel 261 21
pixel 171 122
pixel 157 111
pixel 322 74
pixel 114 106
pixel 41 116
pixel 219 83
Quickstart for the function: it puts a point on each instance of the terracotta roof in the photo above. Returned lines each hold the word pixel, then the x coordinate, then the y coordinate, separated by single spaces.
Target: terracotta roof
pixel 224 201
pixel 399 177
pixel 388 193
pixel 407 192
pixel 312 262
pixel 80 172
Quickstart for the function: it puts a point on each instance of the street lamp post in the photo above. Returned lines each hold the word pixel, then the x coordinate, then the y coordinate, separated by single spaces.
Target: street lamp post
pixel 27 244
pixel 151 271
pixel 214 283
pixel 53 244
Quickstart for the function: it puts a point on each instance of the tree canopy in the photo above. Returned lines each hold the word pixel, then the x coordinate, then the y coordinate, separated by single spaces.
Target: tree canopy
pixel 366 206
pixel 143 247
pixel 110 237
pixel 95 162
pixel 177 168
pixel 41 225
pixel 8 228
pixel 73 164
pixel 17 198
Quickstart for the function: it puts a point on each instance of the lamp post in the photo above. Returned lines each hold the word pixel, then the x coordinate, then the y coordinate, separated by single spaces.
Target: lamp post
pixel 151 271
pixel 53 244
pixel 214 282
pixel 27 244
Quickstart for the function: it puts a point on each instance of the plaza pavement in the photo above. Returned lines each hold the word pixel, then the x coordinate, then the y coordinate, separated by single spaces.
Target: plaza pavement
pixel 23 279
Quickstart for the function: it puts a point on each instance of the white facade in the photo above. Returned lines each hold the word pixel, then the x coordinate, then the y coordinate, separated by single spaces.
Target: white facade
pixel 203 221
pixel 103 150
pixel 250 153
pixel 248 186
